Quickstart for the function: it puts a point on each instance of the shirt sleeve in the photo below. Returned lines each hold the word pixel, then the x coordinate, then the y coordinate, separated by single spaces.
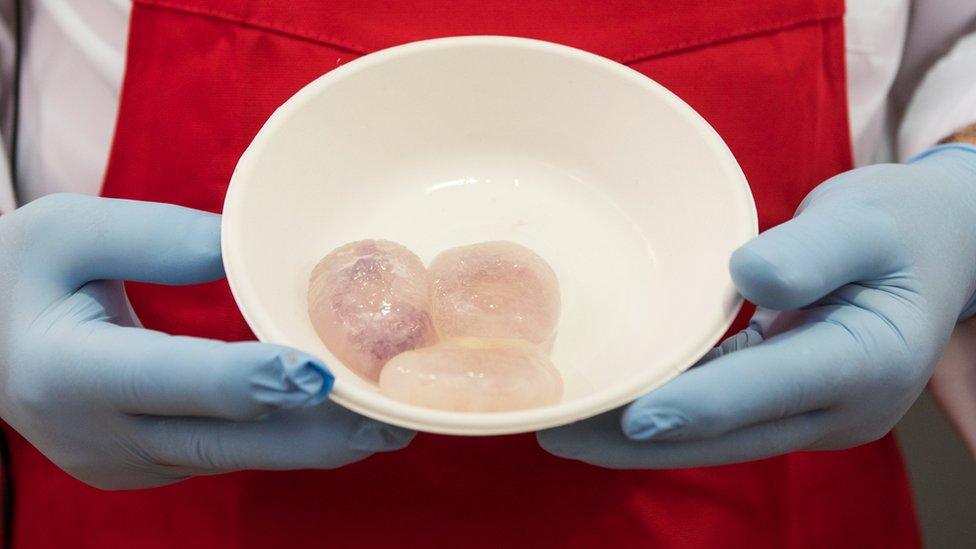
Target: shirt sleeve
pixel 936 87
pixel 8 55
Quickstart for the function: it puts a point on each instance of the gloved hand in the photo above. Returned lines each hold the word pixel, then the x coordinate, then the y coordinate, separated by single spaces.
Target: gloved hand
pixel 118 406
pixel 874 271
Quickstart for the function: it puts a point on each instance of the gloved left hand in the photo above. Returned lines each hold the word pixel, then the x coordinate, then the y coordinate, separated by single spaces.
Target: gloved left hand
pixel 873 273
pixel 118 406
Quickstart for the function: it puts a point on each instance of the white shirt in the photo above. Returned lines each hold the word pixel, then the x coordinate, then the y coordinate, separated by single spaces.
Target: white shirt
pixel 911 81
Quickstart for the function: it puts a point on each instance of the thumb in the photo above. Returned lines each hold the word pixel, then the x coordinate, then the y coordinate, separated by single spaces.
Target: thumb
pixel 806 258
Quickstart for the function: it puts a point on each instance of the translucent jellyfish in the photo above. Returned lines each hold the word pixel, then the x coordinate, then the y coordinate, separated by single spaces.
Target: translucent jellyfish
pixel 474 375
pixel 494 289
pixel 369 301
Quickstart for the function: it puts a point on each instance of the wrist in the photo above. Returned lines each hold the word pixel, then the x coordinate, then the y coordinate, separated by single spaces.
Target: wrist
pixel 965 135
pixel 966 152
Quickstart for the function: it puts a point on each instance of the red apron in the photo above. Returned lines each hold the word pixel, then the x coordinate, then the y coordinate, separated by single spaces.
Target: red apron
pixel 202 77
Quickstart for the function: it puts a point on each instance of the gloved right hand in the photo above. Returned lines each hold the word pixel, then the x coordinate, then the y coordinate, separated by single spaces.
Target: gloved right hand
pixel 118 406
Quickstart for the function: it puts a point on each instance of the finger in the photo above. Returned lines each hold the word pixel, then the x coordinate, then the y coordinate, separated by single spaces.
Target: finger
pixel 140 371
pixel 324 437
pixel 802 260
pixel 599 442
pixel 791 373
pixel 84 238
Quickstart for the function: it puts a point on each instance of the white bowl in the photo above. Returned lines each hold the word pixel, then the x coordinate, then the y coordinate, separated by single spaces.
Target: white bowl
pixel 629 194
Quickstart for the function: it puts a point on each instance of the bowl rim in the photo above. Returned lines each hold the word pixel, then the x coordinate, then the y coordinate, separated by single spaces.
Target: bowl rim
pixel 387 410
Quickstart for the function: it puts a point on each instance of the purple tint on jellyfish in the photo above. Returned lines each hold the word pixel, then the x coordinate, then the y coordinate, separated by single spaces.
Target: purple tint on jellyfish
pixel 368 301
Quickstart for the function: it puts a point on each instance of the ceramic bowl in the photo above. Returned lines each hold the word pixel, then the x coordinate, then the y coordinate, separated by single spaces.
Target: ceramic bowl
pixel 627 192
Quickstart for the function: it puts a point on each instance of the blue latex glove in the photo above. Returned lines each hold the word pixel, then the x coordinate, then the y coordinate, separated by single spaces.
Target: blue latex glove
pixel 876 268
pixel 118 406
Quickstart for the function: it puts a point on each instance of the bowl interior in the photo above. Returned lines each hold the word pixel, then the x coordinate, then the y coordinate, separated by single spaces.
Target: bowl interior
pixel 629 195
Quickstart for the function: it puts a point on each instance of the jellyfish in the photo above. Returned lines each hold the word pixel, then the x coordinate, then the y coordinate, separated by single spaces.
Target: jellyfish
pixel 471 374
pixel 369 301
pixel 494 289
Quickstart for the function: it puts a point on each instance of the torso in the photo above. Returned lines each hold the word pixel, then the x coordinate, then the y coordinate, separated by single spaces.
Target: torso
pixel 65 148
pixel 204 74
